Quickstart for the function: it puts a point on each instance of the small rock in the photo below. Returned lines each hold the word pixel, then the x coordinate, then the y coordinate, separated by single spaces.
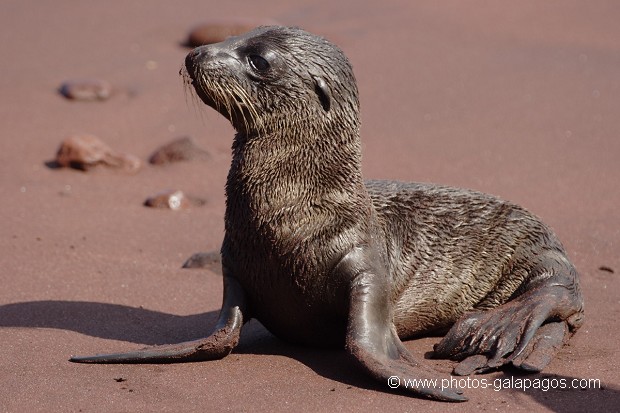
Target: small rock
pixel 86 89
pixel 82 152
pixel 209 260
pixel 174 200
pixel 217 31
pixel 182 149
pixel 86 151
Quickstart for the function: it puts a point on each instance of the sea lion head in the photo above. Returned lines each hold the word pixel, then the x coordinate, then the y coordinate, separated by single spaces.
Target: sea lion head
pixel 276 78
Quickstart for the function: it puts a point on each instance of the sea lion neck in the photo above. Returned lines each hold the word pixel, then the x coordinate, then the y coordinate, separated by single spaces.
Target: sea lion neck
pixel 280 169
pixel 280 196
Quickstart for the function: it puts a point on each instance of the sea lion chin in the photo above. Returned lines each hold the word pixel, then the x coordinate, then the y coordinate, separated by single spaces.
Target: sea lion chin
pixel 322 257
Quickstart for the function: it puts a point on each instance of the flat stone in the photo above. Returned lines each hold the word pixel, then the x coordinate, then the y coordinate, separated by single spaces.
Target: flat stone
pixel 209 260
pixel 86 89
pixel 173 199
pixel 217 31
pixel 84 152
pixel 182 149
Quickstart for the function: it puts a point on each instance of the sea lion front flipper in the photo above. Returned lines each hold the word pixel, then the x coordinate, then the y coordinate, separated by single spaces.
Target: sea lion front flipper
pixel 372 340
pixel 219 344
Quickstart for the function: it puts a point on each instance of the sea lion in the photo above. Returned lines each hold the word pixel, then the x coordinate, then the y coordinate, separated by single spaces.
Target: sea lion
pixel 322 257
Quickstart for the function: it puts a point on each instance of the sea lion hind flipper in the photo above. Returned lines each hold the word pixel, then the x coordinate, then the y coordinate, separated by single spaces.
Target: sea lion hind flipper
pixel 216 346
pixel 525 332
pixel 372 340
pixel 548 340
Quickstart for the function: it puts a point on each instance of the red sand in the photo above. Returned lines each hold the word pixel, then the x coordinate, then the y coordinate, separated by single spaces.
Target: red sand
pixel 520 100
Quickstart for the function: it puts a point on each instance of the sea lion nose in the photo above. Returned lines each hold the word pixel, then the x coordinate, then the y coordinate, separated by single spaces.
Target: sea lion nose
pixel 195 56
pixel 204 54
pixel 198 52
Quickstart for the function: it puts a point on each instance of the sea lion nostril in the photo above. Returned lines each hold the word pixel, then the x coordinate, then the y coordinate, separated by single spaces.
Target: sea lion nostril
pixel 195 55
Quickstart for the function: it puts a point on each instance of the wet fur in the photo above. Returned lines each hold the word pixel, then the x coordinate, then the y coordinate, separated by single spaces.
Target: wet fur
pixel 297 202
pixel 322 257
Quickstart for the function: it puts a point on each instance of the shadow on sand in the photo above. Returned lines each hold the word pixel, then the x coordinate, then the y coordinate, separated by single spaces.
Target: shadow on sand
pixel 147 327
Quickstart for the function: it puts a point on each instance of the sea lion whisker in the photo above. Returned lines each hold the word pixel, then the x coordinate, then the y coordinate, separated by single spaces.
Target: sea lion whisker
pixel 250 105
pixel 191 96
pixel 239 100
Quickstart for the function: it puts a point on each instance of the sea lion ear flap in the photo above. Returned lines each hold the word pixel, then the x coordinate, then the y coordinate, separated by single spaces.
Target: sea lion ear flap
pixel 322 90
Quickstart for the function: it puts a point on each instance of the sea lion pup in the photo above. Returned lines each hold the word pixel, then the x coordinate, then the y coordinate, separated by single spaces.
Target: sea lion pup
pixel 323 258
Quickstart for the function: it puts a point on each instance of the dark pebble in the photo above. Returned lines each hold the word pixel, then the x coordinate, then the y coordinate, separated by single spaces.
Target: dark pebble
pixel 86 89
pixel 182 149
pixel 209 260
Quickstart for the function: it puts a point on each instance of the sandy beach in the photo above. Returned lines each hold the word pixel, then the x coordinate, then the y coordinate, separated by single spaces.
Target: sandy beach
pixel 519 99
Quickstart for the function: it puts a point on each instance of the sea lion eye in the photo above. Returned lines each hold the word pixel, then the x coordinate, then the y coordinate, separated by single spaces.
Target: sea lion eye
pixel 258 63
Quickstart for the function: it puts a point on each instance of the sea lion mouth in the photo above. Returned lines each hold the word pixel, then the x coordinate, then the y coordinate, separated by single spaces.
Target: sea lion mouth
pixel 191 78
pixel 191 74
